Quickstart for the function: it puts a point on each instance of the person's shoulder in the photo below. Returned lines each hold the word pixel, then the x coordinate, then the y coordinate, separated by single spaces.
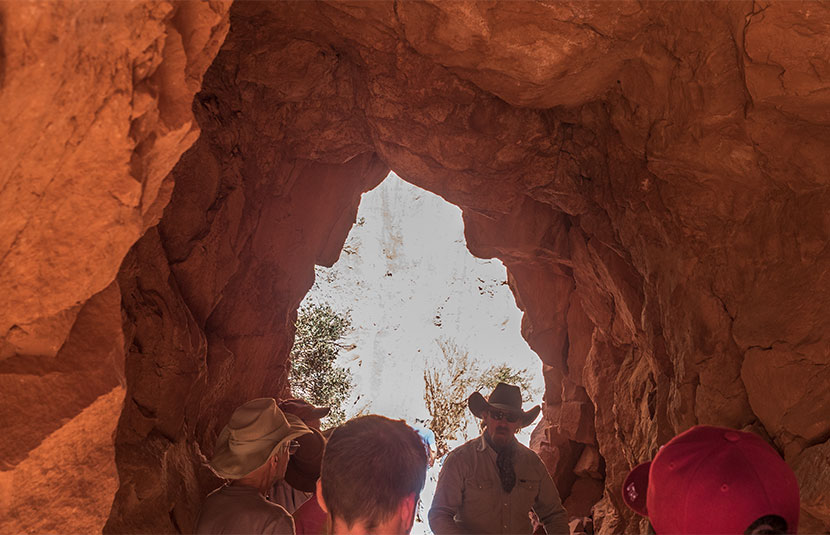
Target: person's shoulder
pixel 214 495
pixel 465 449
pixel 279 515
pixel 531 459
pixel 280 522
pixel 472 444
pixel 528 453
pixel 276 508
pixel 267 507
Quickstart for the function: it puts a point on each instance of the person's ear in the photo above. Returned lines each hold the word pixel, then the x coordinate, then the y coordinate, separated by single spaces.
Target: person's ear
pixel 320 497
pixel 406 512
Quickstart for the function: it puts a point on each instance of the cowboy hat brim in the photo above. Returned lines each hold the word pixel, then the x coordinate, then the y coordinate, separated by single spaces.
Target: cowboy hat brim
pixel 229 465
pixel 478 406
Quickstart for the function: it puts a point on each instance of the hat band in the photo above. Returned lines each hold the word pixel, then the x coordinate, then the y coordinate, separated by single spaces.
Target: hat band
pixel 503 407
pixel 247 446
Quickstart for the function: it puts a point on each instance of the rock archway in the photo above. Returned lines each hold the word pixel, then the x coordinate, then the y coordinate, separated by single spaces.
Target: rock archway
pixel 654 177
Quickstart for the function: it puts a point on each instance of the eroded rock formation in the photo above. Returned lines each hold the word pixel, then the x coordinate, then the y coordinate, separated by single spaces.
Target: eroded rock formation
pixel 654 176
pixel 95 110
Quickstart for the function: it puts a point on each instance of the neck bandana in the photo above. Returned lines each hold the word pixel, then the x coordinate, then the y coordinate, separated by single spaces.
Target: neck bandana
pixel 504 463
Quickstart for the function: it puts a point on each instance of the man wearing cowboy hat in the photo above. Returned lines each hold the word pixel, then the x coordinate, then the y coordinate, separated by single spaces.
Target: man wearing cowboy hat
pixel 252 451
pixel 491 483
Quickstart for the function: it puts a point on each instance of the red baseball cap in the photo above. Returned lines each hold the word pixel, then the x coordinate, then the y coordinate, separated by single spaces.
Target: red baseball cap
pixel 713 480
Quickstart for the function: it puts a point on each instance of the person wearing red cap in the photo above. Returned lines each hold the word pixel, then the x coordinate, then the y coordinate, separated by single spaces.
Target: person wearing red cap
pixel 715 480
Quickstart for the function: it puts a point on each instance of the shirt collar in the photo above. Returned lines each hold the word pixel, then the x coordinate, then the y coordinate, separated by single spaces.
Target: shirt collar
pixel 483 445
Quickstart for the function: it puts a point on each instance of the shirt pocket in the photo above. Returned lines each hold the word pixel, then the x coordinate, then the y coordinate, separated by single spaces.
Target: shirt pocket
pixel 528 487
pixel 480 494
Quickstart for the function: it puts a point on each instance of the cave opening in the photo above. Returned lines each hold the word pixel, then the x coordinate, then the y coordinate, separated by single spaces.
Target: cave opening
pixel 409 285
pixel 420 307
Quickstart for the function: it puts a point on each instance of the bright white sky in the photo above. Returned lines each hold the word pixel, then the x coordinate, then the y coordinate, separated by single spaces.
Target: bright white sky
pixel 407 278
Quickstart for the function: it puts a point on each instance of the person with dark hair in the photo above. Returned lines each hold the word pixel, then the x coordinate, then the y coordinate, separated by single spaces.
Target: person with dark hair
pixel 252 451
pixel 304 466
pixel 373 472
pixel 715 480
pixel 309 518
pixel 491 483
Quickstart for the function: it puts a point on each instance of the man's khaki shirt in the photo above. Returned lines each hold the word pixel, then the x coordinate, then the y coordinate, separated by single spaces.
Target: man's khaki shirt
pixel 469 497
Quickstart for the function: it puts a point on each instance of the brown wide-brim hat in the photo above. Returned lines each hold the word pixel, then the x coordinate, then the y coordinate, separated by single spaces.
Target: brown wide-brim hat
pixel 255 431
pixel 506 398
pixel 303 409
pixel 304 466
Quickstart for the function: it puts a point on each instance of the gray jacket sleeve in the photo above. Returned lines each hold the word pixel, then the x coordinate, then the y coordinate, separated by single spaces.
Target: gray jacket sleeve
pixel 548 506
pixel 448 498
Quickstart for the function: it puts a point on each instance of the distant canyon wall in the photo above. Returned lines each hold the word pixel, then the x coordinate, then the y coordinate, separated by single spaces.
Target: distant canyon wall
pixel 654 177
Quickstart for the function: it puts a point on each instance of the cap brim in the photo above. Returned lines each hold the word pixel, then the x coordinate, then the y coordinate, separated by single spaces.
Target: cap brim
pixel 635 488
pixel 320 412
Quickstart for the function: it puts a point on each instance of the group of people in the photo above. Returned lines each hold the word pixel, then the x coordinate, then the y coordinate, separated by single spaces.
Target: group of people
pixel 285 476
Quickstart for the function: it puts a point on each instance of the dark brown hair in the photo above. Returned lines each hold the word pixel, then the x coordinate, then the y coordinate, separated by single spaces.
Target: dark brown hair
pixel 768 525
pixel 370 465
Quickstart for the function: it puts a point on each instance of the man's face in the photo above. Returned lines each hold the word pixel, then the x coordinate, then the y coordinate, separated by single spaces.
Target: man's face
pixel 499 428
pixel 282 462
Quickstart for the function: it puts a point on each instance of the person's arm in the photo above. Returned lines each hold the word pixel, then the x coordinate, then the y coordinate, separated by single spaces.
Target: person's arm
pixel 447 499
pixel 548 506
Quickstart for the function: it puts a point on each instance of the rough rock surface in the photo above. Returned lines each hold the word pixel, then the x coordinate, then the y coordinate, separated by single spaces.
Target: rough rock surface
pixel 66 483
pixel 653 175
pixel 812 468
pixel 95 110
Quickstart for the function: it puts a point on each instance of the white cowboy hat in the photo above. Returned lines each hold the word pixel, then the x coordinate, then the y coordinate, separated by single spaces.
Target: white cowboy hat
pixel 253 434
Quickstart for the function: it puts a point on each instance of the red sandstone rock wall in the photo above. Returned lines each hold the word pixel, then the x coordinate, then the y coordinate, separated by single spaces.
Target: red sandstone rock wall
pixel 95 102
pixel 654 175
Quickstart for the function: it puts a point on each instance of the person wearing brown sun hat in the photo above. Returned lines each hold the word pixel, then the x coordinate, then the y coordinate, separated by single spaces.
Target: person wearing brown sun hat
pixel 491 483
pixel 252 452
